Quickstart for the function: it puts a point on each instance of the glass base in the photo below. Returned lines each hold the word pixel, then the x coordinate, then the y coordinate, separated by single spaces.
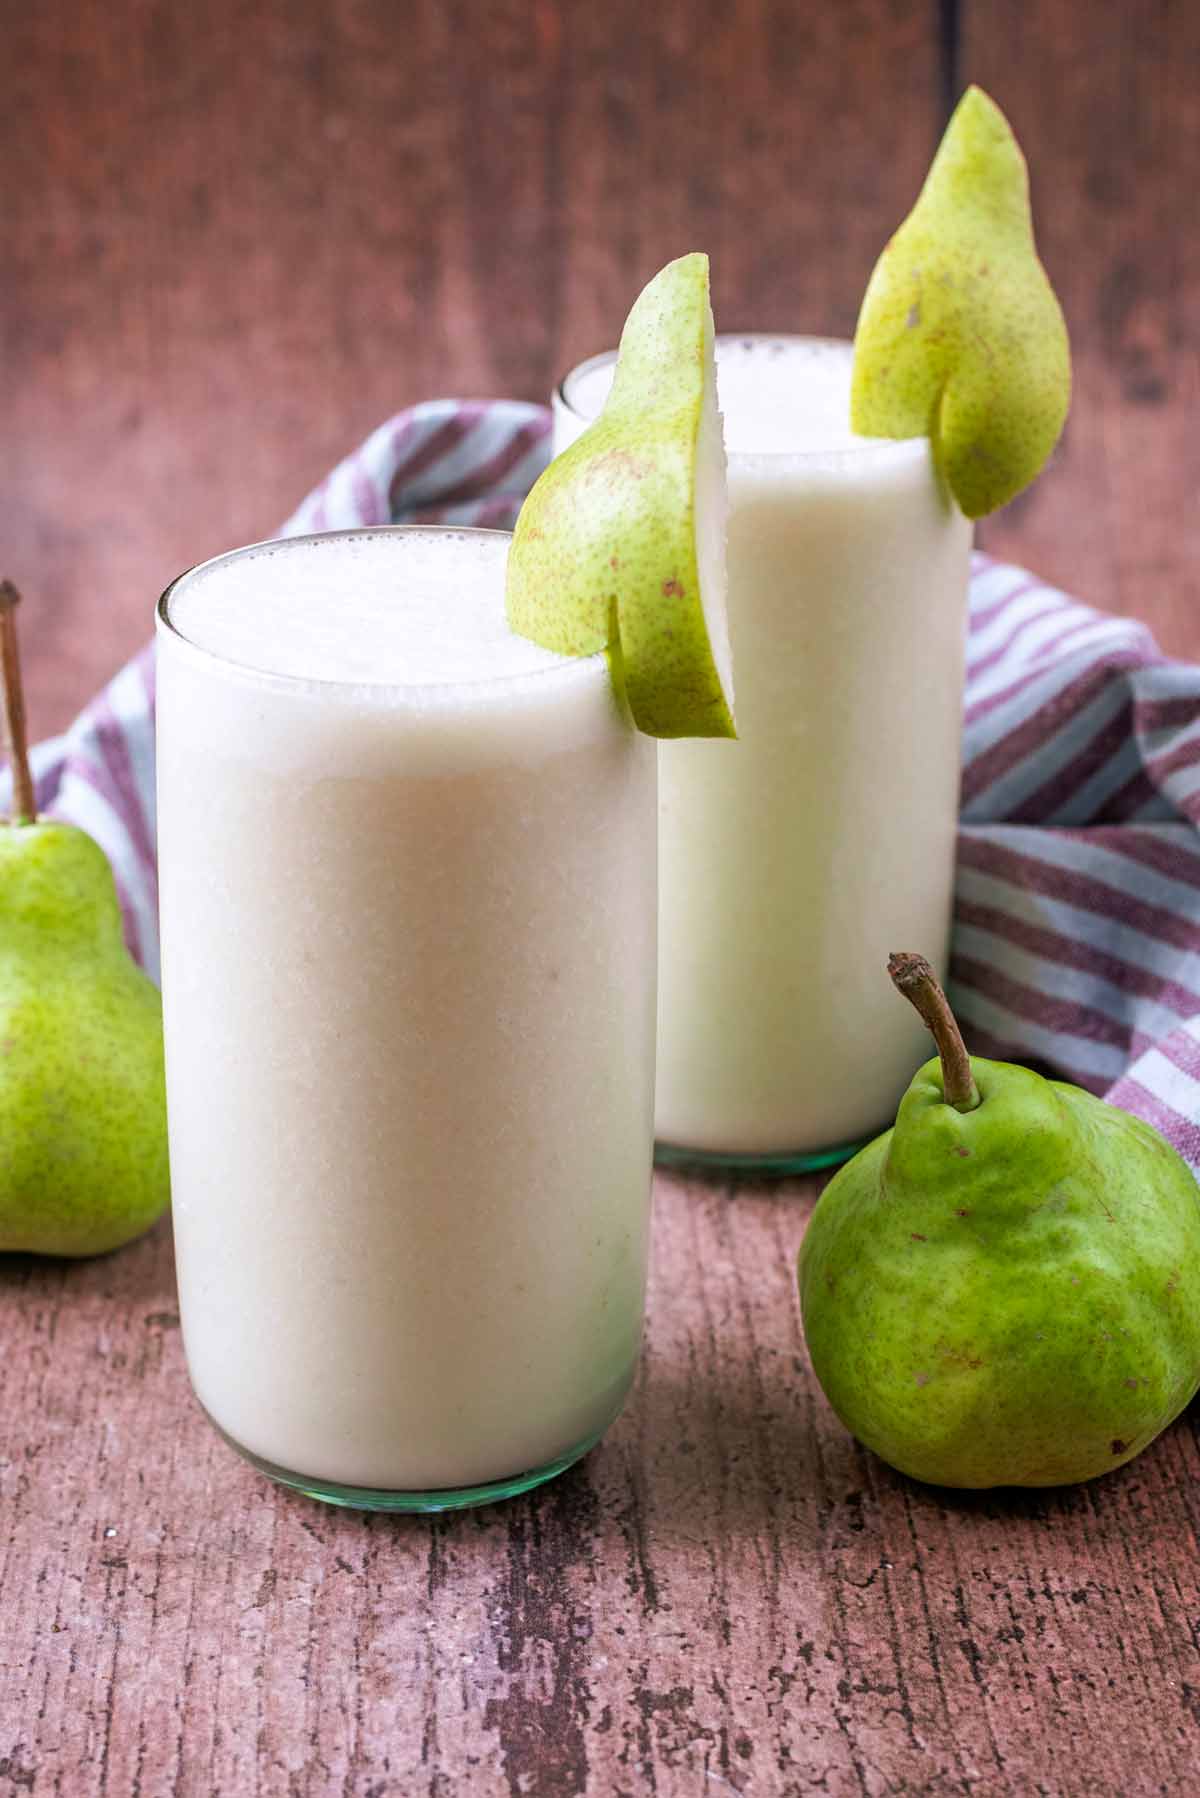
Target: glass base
pixel 372 1498
pixel 769 1164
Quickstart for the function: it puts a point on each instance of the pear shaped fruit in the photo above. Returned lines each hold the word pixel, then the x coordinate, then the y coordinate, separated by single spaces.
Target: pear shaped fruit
pixel 620 545
pixel 960 337
pixel 83 1139
pixel 1004 1289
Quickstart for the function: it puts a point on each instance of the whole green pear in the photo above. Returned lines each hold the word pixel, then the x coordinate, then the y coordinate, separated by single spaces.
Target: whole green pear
pixel 960 337
pixel 1004 1290
pixel 620 545
pixel 83 1137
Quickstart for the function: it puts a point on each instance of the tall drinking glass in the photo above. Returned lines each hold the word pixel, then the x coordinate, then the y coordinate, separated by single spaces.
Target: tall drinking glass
pixel 794 860
pixel 408 922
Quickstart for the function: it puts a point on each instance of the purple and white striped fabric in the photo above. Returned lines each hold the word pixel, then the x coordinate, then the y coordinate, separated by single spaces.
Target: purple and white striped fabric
pixel 1077 925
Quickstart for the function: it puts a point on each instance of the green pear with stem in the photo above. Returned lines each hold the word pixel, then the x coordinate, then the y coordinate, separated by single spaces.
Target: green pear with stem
pixel 960 337
pixel 1003 1289
pixel 83 1129
pixel 620 546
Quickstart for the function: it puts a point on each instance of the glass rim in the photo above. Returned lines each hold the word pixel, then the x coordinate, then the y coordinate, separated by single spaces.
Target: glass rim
pixel 864 448
pixel 564 668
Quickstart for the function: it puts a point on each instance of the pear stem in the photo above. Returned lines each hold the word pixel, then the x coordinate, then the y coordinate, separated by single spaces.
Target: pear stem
pixel 912 975
pixel 24 803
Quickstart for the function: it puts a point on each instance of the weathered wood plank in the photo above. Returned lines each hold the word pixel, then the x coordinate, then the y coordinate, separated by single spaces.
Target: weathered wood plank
pixel 728 1595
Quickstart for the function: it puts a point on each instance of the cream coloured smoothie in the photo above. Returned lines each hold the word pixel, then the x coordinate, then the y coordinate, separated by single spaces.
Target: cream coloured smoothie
pixel 407 886
pixel 794 860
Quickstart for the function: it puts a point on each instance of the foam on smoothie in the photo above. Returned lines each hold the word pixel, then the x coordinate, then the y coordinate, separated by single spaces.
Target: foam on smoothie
pixel 394 608
pixel 777 396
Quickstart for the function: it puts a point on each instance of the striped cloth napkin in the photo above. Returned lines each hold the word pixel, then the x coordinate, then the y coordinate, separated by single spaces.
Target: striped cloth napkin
pixel 1077 921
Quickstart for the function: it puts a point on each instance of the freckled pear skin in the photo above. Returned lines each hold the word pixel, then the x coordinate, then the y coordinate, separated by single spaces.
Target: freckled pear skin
pixel 960 337
pixel 1008 1295
pixel 620 544
pixel 83 1140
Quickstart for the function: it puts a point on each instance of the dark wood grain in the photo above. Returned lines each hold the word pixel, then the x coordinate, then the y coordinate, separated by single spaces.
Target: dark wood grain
pixel 235 240
pixel 1106 100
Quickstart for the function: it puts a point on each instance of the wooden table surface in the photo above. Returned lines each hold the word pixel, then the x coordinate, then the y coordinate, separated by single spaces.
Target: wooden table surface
pixel 234 239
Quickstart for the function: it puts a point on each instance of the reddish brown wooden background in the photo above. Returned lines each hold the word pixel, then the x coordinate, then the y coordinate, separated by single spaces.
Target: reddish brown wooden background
pixel 235 238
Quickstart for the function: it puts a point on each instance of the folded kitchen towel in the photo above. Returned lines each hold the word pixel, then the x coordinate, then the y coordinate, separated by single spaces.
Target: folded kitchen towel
pixel 1077 920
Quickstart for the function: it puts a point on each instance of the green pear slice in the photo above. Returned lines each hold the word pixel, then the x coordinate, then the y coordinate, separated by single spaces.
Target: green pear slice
pixel 620 546
pixel 960 337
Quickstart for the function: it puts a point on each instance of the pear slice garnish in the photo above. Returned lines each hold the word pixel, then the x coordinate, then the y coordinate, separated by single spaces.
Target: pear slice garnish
pixel 960 337
pixel 620 546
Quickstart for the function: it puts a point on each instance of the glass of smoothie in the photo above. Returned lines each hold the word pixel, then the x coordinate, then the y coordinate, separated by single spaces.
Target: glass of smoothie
pixel 407 866
pixel 795 859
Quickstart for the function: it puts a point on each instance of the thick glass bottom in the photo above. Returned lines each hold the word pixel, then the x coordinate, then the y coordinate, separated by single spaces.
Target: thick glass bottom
pixel 769 1164
pixel 372 1498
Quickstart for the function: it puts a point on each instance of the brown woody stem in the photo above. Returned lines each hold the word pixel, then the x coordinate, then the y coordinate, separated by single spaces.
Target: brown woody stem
pixel 24 805
pixel 912 975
